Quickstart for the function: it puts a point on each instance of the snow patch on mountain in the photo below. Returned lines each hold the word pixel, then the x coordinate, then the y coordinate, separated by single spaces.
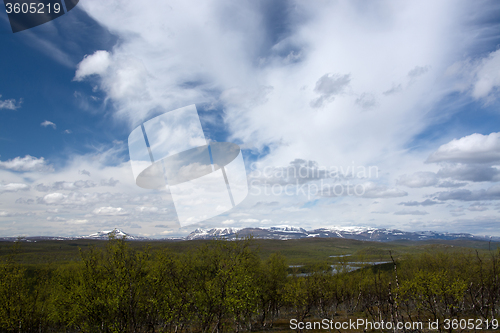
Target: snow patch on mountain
pixel 212 233
pixel 106 234
pixel 286 228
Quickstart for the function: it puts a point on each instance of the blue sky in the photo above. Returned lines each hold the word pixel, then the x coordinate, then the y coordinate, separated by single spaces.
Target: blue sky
pixel 409 89
pixel 39 65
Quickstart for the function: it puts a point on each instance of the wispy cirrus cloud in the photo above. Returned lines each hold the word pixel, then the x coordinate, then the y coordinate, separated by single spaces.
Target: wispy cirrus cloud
pixel 487 77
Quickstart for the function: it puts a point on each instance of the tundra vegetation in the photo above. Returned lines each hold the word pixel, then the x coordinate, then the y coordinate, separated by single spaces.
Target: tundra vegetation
pixel 229 286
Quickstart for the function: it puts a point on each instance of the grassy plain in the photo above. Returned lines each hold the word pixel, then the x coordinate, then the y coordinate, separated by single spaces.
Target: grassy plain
pixel 304 251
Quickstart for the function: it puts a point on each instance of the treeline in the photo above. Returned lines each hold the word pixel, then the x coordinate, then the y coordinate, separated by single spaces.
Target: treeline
pixel 225 287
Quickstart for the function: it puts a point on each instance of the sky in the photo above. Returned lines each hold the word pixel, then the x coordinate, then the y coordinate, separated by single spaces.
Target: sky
pixel 380 114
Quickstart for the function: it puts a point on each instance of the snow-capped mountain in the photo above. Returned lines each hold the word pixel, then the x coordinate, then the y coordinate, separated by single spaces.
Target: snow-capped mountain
pixel 116 233
pixel 286 228
pixel 212 233
pixel 357 233
pixel 279 232
pixel 385 235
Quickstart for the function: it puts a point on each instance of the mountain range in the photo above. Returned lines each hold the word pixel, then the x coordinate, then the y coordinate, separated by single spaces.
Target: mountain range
pixel 357 233
pixel 283 233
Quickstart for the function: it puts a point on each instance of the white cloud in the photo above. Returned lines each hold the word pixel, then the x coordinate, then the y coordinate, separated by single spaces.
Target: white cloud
pixel 26 163
pixel 124 78
pixel 449 183
pixel 300 171
pixel 394 90
pixel 77 221
pixel 474 148
pixel 372 190
pixel 109 182
pixel 487 225
pixel 491 193
pixel 77 198
pixel 56 218
pixel 418 179
pixel 362 190
pixel 63 185
pixel 418 71
pixel 366 100
pixel 84 172
pixel 411 212
pixel 477 208
pixel 427 202
pixel 54 198
pixel 96 63
pixel 474 173
pixel 328 86
pixel 10 104
pixel 48 123
pixel 146 209
pixel 247 55
pixel 109 211
pixel 249 220
pixel 13 187
pixel 25 201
